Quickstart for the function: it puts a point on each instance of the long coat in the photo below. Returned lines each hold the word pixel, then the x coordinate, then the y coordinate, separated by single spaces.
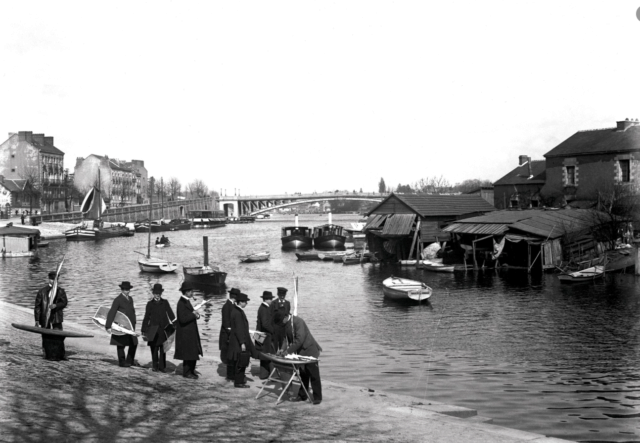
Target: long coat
pixel 239 335
pixel 279 305
pixel 156 318
pixel 303 341
pixel 188 345
pixel 265 324
pixel 60 302
pixel 223 340
pixel 125 305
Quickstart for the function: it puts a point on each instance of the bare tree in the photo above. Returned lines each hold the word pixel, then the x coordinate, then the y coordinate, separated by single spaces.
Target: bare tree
pixel 197 189
pixel 174 188
pixel 30 172
pixel 616 205
pixel 432 185
pixel 471 185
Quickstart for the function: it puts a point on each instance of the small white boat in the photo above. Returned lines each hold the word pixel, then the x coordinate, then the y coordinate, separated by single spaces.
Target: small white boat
pixel 436 267
pixel 258 256
pixel 584 275
pixel 156 265
pixel 404 289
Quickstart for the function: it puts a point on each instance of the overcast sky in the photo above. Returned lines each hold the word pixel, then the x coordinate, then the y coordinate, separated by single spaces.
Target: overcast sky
pixel 302 96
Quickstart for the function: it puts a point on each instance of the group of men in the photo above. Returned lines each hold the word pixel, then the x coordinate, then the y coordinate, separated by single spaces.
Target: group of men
pixel 283 333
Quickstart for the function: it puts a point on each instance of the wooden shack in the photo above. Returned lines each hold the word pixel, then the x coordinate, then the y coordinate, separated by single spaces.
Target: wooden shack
pixel 401 225
pixel 18 242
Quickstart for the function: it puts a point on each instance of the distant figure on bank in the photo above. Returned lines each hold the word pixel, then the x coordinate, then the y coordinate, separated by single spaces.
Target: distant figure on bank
pixel 303 343
pixel 124 304
pixel 157 316
pixel 283 306
pixel 188 345
pixel 164 240
pixel 265 324
pixel 54 309
pixel 22 218
pixel 223 340
pixel 240 344
pixel 157 240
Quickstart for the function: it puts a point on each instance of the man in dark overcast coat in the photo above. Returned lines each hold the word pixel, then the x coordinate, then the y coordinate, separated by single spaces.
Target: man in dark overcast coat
pixel 265 324
pixel 124 304
pixel 188 344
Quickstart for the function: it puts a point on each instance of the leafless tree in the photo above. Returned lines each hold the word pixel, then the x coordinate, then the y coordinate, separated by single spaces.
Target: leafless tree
pixel 616 205
pixel 470 185
pixel 174 187
pixel 432 185
pixel 30 172
pixel 197 189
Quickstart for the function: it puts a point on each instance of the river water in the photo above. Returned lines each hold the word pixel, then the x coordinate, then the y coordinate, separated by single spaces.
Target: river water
pixel 532 354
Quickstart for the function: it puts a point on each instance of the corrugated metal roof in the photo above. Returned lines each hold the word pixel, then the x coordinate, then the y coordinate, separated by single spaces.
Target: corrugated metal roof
pixel 543 223
pixel 427 205
pixel 374 221
pixel 398 225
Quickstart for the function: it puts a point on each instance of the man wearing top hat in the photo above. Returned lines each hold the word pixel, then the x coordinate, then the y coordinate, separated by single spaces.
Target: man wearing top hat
pixel 58 303
pixel 124 304
pixel 157 316
pixel 223 340
pixel 241 347
pixel 188 344
pixel 265 324
pixel 283 306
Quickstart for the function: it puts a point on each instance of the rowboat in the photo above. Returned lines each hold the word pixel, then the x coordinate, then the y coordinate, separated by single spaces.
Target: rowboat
pixel 355 259
pixel 436 267
pixel 404 289
pixel 583 275
pixel 258 256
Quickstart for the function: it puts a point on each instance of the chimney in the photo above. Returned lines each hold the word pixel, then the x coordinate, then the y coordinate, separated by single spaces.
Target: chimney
pixel 48 141
pixel 522 160
pixel 38 138
pixel 625 124
pixel 25 136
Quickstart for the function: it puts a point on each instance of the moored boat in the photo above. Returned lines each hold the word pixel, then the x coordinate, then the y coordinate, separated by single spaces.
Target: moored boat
pixel 258 256
pixel 329 236
pixel 209 279
pixel 436 267
pixel 163 226
pixel 296 237
pixel 207 219
pixel 585 275
pixel 404 289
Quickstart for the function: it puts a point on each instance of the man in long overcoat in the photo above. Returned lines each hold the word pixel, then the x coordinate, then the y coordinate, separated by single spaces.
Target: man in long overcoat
pixel 54 349
pixel 223 340
pixel 188 345
pixel 124 304
pixel 284 307
pixel 303 344
pixel 241 347
pixel 265 324
pixel 157 316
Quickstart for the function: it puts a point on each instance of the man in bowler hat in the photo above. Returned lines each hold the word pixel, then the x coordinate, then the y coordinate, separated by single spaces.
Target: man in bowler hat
pixel 223 340
pixel 265 324
pixel 55 308
pixel 303 344
pixel 188 344
pixel 124 304
pixel 157 316
pixel 241 347
pixel 283 306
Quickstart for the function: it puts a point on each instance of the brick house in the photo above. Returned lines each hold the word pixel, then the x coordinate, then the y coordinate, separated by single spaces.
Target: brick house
pixel 34 158
pixel 593 160
pixel 520 188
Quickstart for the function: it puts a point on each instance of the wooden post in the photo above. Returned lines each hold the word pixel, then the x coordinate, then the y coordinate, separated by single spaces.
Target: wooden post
pixel 205 243
pixel 528 257
pixel 415 237
pixel 636 247
pixel 475 263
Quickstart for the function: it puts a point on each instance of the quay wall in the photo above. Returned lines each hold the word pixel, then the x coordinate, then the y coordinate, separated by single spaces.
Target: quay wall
pixel 128 214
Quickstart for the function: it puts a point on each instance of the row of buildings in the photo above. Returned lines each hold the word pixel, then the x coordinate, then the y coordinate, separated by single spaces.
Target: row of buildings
pixel 33 176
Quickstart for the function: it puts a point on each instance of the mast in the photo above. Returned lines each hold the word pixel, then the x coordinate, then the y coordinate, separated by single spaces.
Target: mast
pixel 149 225
pixel 205 245
pixel 161 198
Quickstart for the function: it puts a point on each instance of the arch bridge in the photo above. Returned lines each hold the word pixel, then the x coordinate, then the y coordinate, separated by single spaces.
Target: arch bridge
pixel 257 204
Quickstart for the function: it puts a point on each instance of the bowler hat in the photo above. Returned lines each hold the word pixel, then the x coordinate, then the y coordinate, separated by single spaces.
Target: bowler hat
pixel 125 285
pixel 186 286
pixel 157 289
pixel 282 291
pixel 233 293
pixel 267 295
pixel 52 275
pixel 242 297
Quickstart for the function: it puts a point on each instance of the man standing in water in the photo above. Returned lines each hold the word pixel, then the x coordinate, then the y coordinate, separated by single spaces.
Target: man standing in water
pixel 54 310
pixel 124 304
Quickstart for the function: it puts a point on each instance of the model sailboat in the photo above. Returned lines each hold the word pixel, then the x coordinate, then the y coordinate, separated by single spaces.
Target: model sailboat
pixel 152 264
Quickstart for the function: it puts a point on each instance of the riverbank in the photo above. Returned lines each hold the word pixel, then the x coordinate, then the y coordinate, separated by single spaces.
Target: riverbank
pixel 90 398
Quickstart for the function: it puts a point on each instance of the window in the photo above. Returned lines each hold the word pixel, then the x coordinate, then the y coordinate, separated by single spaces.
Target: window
pixel 625 171
pixel 535 203
pixel 571 175
pixel 514 202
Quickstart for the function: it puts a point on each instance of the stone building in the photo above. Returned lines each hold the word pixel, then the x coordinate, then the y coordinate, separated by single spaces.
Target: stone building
pixel 34 159
pixel 121 183
pixel 520 188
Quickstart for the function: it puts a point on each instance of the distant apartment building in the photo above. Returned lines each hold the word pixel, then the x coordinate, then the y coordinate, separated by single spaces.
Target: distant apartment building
pixel 121 183
pixel 37 167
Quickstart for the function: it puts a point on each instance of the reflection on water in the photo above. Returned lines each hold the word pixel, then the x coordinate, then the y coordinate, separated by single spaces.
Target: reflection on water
pixel 532 354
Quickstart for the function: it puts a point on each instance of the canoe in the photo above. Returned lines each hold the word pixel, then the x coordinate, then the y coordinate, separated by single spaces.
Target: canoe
pixel 45 331
pixel 251 258
pixel 404 289
pixel 588 274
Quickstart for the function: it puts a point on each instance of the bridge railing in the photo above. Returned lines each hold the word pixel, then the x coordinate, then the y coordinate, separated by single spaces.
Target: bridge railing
pixel 303 196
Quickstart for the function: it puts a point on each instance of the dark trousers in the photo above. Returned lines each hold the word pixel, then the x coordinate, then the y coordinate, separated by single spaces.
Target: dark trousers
pixel 130 355
pixel 237 372
pixel 188 367
pixel 311 371
pixel 158 357
pixel 53 345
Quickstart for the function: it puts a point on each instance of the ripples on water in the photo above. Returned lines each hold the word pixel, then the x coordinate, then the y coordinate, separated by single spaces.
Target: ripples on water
pixel 532 354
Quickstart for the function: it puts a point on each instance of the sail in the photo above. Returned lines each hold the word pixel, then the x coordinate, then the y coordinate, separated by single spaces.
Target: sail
pixel 93 205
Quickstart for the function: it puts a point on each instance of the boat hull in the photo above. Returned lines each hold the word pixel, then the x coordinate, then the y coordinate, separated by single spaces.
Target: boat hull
pixel 403 289
pixel 157 267
pixel 297 242
pixel 332 241
pixel 208 281
pixel 80 234
pixel 437 267
pixel 255 258
pixel 586 275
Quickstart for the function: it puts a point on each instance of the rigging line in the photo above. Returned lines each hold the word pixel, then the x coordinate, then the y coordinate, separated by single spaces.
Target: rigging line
pixel 430 356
